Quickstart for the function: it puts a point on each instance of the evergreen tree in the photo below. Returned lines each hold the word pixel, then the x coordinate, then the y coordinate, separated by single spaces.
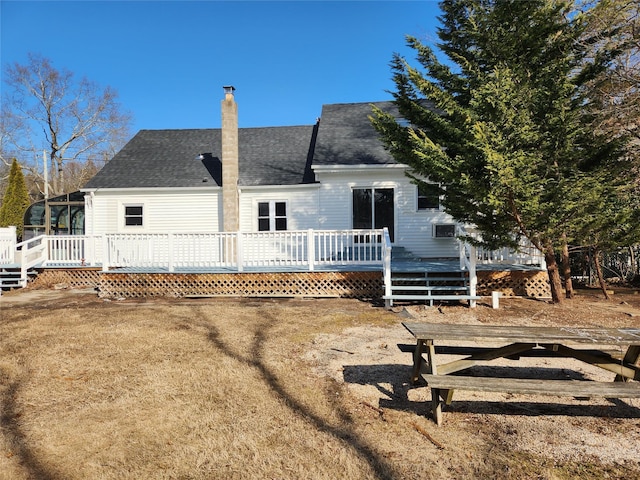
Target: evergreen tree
pixel 15 200
pixel 505 130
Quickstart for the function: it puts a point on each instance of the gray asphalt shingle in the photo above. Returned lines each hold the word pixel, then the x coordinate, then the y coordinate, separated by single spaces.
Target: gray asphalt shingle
pixel 267 156
pixel 346 136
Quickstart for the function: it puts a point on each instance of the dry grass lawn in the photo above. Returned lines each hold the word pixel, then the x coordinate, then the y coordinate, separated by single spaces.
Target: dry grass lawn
pixel 225 389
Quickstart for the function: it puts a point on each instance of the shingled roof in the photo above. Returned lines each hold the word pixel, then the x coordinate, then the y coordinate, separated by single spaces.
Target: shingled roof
pixel 346 136
pixel 192 158
pixel 267 156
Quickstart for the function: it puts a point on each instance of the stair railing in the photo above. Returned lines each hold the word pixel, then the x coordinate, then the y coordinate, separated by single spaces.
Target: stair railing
pixel 386 263
pixel 31 253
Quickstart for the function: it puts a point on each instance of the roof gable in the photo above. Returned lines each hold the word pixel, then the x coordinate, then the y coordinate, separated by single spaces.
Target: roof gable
pixel 346 136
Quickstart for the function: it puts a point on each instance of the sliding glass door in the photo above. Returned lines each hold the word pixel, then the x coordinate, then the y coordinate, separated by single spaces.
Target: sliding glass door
pixel 373 208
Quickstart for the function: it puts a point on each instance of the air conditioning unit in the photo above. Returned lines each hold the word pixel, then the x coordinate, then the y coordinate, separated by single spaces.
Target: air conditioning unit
pixel 444 230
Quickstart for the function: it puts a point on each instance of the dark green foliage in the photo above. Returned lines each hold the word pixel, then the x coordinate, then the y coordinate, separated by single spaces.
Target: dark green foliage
pixel 15 200
pixel 506 129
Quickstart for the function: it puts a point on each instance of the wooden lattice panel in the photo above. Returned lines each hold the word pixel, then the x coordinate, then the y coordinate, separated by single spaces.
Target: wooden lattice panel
pixel 311 284
pixel 301 284
pixel 534 283
pixel 72 277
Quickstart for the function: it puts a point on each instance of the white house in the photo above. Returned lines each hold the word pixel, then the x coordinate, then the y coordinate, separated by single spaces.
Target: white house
pixel 332 175
pixel 306 210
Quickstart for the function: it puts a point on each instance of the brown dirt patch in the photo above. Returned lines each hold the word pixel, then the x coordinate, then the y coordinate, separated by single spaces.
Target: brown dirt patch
pixel 237 388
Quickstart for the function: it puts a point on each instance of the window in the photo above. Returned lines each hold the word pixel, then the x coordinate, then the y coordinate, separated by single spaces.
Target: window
pixel 373 208
pixel 444 230
pixel 428 196
pixel 272 216
pixel 133 215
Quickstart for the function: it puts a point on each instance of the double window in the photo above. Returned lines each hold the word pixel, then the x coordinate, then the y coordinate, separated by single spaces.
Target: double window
pixel 133 215
pixel 272 216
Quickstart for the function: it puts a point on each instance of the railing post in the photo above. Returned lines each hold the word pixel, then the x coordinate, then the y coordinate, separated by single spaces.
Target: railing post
pixel 171 260
pixel 473 277
pixel 90 250
pixel 239 258
pixel 105 253
pixel 386 267
pixel 311 249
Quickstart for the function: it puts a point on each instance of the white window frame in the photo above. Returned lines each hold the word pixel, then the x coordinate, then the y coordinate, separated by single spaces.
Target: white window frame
pixel 125 216
pixel 435 230
pixel 272 217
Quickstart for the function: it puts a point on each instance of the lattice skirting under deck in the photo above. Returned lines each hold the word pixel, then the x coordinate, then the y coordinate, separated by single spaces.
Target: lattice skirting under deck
pixel 71 277
pixel 528 283
pixel 304 284
pixel 308 284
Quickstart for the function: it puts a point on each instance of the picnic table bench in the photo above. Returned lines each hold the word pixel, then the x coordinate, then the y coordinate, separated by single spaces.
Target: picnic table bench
pixel 520 341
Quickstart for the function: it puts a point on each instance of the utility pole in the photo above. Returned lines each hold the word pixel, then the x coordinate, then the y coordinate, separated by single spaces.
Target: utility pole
pixel 47 212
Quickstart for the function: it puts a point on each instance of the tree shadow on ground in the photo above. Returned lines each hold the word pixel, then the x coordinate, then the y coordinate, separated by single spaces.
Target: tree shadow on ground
pixel 10 428
pixel 255 360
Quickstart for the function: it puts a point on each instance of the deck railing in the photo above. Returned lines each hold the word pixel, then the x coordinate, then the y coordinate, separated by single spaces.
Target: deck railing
pixel 526 254
pixel 7 245
pixel 305 249
pixel 237 251
pixel 30 253
pixel 468 262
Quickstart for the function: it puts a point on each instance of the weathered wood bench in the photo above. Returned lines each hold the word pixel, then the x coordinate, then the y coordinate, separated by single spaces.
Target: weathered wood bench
pixel 443 386
pixel 467 350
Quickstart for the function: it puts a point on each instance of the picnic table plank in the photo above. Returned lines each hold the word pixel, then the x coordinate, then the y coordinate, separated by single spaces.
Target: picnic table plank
pixel 523 334
pixel 521 341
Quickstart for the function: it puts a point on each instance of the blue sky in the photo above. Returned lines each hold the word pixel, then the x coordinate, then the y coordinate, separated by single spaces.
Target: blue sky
pixel 169 60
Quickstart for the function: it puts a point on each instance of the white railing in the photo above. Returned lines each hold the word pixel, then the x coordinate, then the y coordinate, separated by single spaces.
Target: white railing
pixel 468 260
pixel 526 254
pixel 169 250
pixel 29 254
pixel 386 264
pixel 72 250
pixel 346 247
pixel 305 249
pixel 7 245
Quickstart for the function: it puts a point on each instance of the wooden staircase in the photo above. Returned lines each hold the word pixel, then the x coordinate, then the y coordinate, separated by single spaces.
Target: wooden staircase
pixel 415 280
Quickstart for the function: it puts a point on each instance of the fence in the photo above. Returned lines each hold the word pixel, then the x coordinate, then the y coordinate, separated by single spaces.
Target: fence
pixel 7 245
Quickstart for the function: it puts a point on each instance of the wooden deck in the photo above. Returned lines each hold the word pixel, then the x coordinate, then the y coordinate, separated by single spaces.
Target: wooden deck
pixel 362 281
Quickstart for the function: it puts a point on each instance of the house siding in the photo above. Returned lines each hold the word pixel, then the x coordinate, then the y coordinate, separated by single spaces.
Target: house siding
pixel 188 212
pixel 413 228
pixel 302 206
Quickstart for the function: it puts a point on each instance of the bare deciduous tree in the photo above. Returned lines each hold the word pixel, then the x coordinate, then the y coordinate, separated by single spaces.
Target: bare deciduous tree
pixel 615 94
pixel 76 124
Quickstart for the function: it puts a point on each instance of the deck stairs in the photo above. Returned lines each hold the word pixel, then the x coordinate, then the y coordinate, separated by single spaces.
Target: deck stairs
pixel 11 277
pixel 414 280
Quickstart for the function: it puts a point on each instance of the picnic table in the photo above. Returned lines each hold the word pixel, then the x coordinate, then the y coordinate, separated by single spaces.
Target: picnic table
pixel 595 346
